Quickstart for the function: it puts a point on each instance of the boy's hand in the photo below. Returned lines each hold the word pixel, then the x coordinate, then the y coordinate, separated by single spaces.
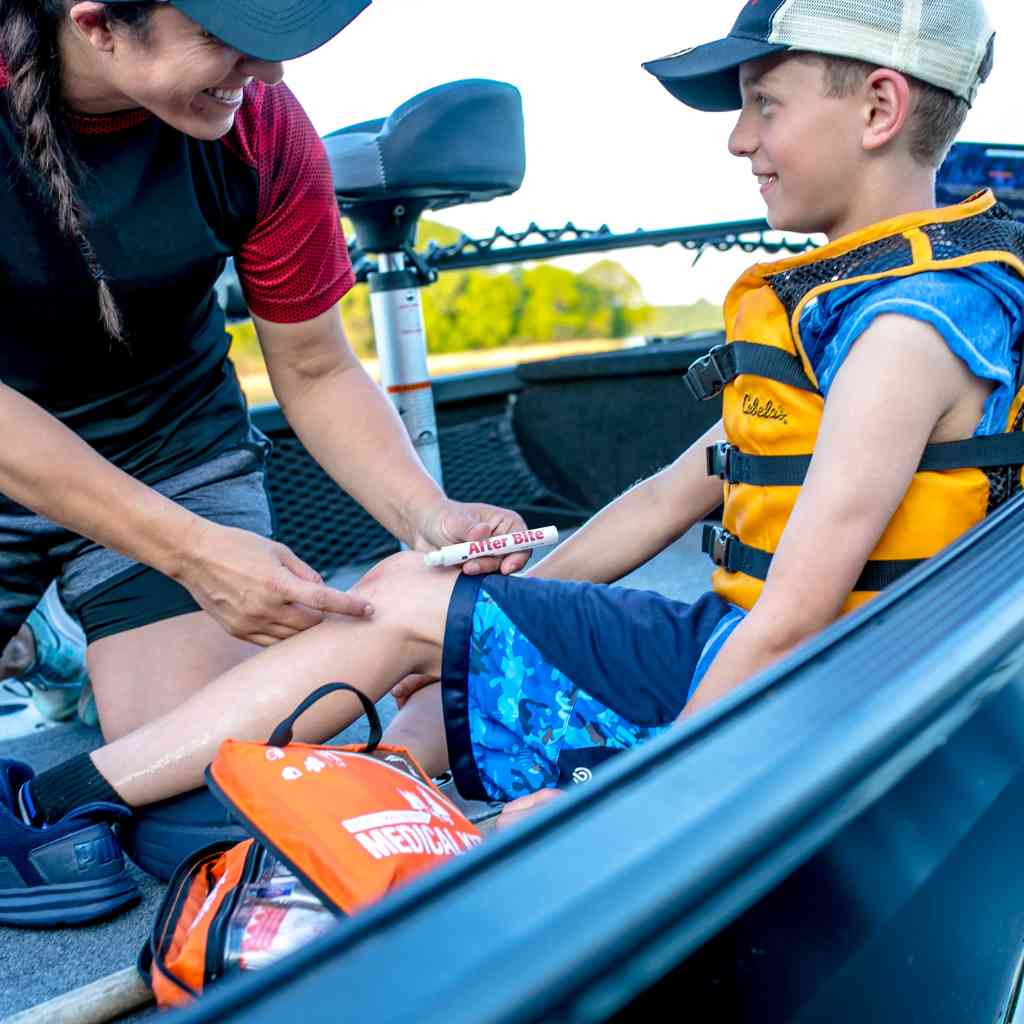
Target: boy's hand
pixel 516 810
pixel 899 389
pixel 405 688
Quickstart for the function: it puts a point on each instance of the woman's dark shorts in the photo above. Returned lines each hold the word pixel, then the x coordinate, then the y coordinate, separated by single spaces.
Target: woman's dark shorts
pixel 106 591
pixel 542 680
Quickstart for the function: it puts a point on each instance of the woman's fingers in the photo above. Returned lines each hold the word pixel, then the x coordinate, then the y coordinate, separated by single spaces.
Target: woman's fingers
pixel 294 618
pixel 259 590
pixel 480 566
pixel 513 563
pixel 261 639
pixel 322 598
pixel 296 565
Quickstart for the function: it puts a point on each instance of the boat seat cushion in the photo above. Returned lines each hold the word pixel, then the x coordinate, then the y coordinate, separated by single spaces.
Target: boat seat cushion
pixel 456 143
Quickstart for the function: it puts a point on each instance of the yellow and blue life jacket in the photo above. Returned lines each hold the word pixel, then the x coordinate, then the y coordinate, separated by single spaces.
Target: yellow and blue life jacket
pixel 772 405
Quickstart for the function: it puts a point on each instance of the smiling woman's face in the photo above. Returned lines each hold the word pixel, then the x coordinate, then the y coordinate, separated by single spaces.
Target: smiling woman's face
pixel 173 68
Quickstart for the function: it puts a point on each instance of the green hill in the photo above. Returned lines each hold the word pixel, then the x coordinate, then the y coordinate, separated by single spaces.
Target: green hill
pixel 701 316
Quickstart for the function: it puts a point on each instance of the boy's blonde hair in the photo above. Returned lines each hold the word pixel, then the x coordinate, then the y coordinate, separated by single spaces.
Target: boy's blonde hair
pixel 935 121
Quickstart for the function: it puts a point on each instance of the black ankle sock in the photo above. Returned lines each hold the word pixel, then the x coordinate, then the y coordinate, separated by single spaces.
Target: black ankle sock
pixel 75 782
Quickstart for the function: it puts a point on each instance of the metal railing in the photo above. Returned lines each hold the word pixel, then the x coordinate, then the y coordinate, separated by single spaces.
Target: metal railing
pixel 537 243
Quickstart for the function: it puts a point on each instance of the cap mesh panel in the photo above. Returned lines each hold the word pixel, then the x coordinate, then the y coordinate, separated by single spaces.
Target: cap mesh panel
pixel 942 42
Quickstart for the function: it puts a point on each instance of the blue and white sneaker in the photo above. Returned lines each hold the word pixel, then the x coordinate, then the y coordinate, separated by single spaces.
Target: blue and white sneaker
pixel 58 674
pixel 70 872
pixel 48 675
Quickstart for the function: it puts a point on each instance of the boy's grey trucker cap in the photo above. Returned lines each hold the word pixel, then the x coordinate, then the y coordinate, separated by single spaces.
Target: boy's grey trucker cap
pixel 270 29
pixel 947 43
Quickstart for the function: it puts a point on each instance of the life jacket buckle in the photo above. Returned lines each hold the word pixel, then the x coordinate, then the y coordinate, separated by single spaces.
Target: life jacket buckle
pixel 717 543
pixel 708 375
pixel 719 459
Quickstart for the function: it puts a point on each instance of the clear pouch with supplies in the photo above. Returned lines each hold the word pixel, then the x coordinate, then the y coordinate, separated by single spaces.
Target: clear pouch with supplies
pixel 275 915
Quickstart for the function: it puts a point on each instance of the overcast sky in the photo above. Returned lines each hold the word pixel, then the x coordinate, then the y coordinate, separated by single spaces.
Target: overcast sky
pixel 604 142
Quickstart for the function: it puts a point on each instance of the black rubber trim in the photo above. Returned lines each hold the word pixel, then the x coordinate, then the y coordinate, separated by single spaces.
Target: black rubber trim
pixel 458 635
pixel 169 914
pixel 214 961
pixel 583 909
pixel 392 281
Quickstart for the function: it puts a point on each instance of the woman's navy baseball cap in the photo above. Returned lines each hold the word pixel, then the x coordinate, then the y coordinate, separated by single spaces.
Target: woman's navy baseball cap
pixel 947 43
pixel 270 29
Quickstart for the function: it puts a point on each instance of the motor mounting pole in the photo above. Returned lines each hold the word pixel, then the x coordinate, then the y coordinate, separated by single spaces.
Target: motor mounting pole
pixel 402 349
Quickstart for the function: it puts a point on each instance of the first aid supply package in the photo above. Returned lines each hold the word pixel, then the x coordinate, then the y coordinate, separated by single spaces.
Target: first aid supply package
pixel 334 828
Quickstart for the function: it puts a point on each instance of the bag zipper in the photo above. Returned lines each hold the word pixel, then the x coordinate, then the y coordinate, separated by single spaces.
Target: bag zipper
pixel 170 911
pixel 214 962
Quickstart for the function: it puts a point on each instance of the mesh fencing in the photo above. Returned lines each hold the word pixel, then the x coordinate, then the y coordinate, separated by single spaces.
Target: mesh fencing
pixel 481 461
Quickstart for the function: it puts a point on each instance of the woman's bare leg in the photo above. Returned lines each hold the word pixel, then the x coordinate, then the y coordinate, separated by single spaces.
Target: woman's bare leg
pixel 141 674
pixel 167 756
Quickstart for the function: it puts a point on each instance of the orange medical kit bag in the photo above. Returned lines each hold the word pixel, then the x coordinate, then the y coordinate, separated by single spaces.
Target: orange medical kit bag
pixel 334 829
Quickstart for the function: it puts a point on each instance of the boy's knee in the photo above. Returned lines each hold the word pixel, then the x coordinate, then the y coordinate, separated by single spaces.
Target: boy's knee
pixel 391 573
pixel 407 592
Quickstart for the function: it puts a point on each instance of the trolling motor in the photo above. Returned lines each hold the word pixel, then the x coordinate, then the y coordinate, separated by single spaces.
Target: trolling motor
pixel 462 142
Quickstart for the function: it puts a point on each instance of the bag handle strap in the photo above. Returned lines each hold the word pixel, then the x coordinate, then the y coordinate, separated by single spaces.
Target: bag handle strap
pixel 282 735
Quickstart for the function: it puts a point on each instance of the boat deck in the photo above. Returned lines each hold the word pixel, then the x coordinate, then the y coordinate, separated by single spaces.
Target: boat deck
pixel 38 965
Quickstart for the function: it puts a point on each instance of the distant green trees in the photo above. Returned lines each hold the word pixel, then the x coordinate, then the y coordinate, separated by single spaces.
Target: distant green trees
pixel 483 309
pixel 486 309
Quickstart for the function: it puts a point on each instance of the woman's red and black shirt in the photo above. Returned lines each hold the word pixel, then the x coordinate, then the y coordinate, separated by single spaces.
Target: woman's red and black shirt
pixel 164 211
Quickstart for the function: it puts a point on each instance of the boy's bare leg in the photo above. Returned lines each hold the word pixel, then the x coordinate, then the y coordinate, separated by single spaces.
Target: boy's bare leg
pixel 419 727
pixel 168 755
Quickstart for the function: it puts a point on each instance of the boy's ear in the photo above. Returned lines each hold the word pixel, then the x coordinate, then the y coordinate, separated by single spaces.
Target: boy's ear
pixel 888 104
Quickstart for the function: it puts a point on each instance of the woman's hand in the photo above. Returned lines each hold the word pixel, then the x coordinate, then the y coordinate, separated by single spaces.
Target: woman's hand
pixel 455 522
pixel 257 589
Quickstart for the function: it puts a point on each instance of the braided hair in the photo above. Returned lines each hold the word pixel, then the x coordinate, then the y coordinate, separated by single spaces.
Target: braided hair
pixel 30 49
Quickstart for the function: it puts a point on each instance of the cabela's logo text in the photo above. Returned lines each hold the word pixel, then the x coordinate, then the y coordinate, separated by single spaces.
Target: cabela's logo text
pixel 753 406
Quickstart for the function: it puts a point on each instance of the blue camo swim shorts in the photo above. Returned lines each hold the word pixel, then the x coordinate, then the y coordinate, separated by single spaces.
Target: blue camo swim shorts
pixel 544 679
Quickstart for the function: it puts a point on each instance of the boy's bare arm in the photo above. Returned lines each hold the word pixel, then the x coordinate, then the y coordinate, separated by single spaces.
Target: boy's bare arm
pixel 640 523
pixel 899 389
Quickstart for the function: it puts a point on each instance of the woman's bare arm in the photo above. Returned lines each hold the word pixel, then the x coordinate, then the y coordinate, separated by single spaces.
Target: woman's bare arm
pixel 255 588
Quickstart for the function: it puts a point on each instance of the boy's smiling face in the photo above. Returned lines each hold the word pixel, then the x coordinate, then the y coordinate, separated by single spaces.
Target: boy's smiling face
pixel 804 147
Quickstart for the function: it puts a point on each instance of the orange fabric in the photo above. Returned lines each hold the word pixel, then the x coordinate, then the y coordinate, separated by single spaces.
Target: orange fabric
pixel 355 825
pixel 209 883
pixel 765 417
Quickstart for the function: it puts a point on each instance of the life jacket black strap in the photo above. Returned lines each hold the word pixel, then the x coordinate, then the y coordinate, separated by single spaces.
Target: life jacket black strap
pixel 708 375
pixel 736 467
pixel 729 552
